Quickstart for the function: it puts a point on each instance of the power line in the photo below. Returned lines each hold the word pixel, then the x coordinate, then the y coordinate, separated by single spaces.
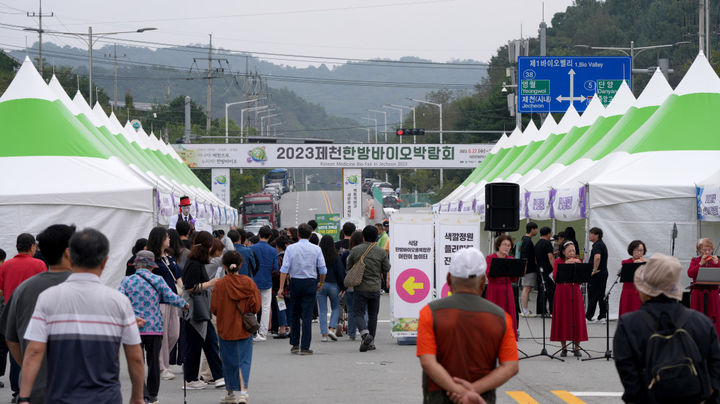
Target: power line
pixel 306 58
pixel 269 77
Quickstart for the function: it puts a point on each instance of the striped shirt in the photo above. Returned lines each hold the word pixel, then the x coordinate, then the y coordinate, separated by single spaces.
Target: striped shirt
pixel 83 323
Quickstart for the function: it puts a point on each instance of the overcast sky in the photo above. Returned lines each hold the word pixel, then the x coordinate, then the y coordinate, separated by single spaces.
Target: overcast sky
pixel 440 30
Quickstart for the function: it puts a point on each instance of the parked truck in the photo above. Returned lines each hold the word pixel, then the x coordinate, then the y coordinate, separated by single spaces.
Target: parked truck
pixel 260 206
pixel 278 176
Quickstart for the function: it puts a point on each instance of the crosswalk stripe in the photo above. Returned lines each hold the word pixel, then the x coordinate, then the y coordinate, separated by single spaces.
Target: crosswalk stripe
pixel 521 397
pixel 567 397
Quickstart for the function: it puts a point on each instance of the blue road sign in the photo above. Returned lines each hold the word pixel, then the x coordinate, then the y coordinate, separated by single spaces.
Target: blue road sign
pixel 551 83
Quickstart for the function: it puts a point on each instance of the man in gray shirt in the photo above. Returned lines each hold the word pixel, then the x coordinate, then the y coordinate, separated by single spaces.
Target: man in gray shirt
pixel 53 243
pixel 367 293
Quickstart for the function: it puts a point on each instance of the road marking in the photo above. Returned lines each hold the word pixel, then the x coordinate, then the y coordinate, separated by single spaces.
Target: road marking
pixel 521 397
pixel 596 393
pixel 328 204
pixel 567 397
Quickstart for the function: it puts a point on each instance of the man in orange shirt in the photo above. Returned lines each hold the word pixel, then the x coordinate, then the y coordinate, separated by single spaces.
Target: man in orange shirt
pixel 459 363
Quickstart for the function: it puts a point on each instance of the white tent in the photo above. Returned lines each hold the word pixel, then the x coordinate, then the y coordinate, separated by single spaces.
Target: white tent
pixel 56 172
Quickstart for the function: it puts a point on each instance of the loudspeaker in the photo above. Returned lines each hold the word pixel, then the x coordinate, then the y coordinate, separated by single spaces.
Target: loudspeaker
pixel 502 206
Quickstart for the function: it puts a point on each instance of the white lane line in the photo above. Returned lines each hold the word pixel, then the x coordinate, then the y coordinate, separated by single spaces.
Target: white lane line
pixel 596 393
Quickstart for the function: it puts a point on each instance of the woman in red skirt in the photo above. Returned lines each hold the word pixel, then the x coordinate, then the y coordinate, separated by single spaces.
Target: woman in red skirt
pixel 629 298
pixel 698 295
pixel 568 316
pixel 499 289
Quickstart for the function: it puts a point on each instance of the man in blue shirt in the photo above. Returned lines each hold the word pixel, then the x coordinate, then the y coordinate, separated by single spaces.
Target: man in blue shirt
pixel 249 263
pixel 267 259
pixel 303 262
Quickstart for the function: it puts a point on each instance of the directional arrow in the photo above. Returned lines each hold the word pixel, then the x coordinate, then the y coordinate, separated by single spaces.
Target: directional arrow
pixel 571 98
pixel 411 286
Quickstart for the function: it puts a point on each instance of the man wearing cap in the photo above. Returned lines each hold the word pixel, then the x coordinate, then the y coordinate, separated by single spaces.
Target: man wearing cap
pixel 658 283
pixel 184 215
pixel 460 364
pixel 146 291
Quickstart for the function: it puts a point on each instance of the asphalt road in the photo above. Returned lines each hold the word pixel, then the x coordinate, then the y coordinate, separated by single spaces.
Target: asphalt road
pixel 338 373
pixel 299 207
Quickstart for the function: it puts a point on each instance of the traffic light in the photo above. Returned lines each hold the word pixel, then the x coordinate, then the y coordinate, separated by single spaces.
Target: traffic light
pixel 410 132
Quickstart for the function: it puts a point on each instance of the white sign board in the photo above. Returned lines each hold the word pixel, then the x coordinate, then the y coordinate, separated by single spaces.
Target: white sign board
pixel 221 184
pixel 352 192
pixel 454 232
pixel 411 270
pixel 253 155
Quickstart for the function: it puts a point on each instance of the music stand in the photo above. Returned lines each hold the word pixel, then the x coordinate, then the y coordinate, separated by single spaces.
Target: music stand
pixel 707 276
pixel 543 351
pixel 507 268
pixel 573 273
pixel 626 275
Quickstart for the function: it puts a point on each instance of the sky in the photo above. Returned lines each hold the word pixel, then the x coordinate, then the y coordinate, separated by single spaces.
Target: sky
pixel 439 30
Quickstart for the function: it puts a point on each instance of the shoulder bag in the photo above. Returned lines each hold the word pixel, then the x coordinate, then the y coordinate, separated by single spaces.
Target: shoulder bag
pixel 249 320
pixel 354 276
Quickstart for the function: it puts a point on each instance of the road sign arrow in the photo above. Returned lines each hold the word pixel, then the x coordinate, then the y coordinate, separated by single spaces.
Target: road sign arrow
pixel 411 286
pixel 571 98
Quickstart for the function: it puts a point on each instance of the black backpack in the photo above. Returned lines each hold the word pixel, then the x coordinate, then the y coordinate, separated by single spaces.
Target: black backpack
pixel 674 368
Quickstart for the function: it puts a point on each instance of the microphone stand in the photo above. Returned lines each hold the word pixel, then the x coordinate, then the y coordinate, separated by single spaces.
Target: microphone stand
pixel 608 352
pixel 544 351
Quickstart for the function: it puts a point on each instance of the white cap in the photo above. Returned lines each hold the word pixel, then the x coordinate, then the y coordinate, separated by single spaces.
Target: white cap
pixel 468 263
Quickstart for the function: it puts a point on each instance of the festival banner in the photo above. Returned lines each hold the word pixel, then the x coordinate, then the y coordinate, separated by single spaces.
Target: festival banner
pixel 167 208
pixel 452 233
pixel 478 207
pixel 412 250
pixel 538 205
pixel 569 204
pixel 352 192
pixel 221 184
pixel 708 203
pixel 253 155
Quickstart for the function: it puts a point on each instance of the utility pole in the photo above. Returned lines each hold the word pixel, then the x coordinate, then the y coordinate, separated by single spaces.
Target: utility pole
pixel 704 27
pixel 115 89
pixel 210 59
pixel 209 90
pixel 39 15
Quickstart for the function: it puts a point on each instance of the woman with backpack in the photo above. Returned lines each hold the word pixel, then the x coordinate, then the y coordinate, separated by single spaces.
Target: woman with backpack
pixel 232 296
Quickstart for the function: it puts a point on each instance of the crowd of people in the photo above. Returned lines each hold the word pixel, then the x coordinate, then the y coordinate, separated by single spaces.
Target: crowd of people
pixel 185 300
pixel 201 300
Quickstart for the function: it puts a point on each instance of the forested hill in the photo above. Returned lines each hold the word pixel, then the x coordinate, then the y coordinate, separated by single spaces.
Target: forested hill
pixel 345 89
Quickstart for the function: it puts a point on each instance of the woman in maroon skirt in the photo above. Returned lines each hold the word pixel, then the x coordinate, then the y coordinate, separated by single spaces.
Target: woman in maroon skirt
pixel 698 295
pixel 499 290
pixel 629 298
pixel 568 316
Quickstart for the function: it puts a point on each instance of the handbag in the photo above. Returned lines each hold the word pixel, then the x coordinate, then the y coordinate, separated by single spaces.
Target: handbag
pixel 200 306
pixel 354 276
pixel 249 320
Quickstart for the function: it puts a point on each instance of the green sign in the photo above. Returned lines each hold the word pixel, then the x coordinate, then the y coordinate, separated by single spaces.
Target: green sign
pixel 606 90
pixel 535 87
pixel 328 223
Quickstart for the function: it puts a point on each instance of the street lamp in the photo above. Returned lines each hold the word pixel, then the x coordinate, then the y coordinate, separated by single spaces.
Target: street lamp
pixel 242 118
pixel 401 115
pixel 274 130
pixel 441 128
pixel 632 51
pixel 375 121
pixel 227 105
pixel 385 116
pixel 262 122
pixel 413 111
pixel 90 42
